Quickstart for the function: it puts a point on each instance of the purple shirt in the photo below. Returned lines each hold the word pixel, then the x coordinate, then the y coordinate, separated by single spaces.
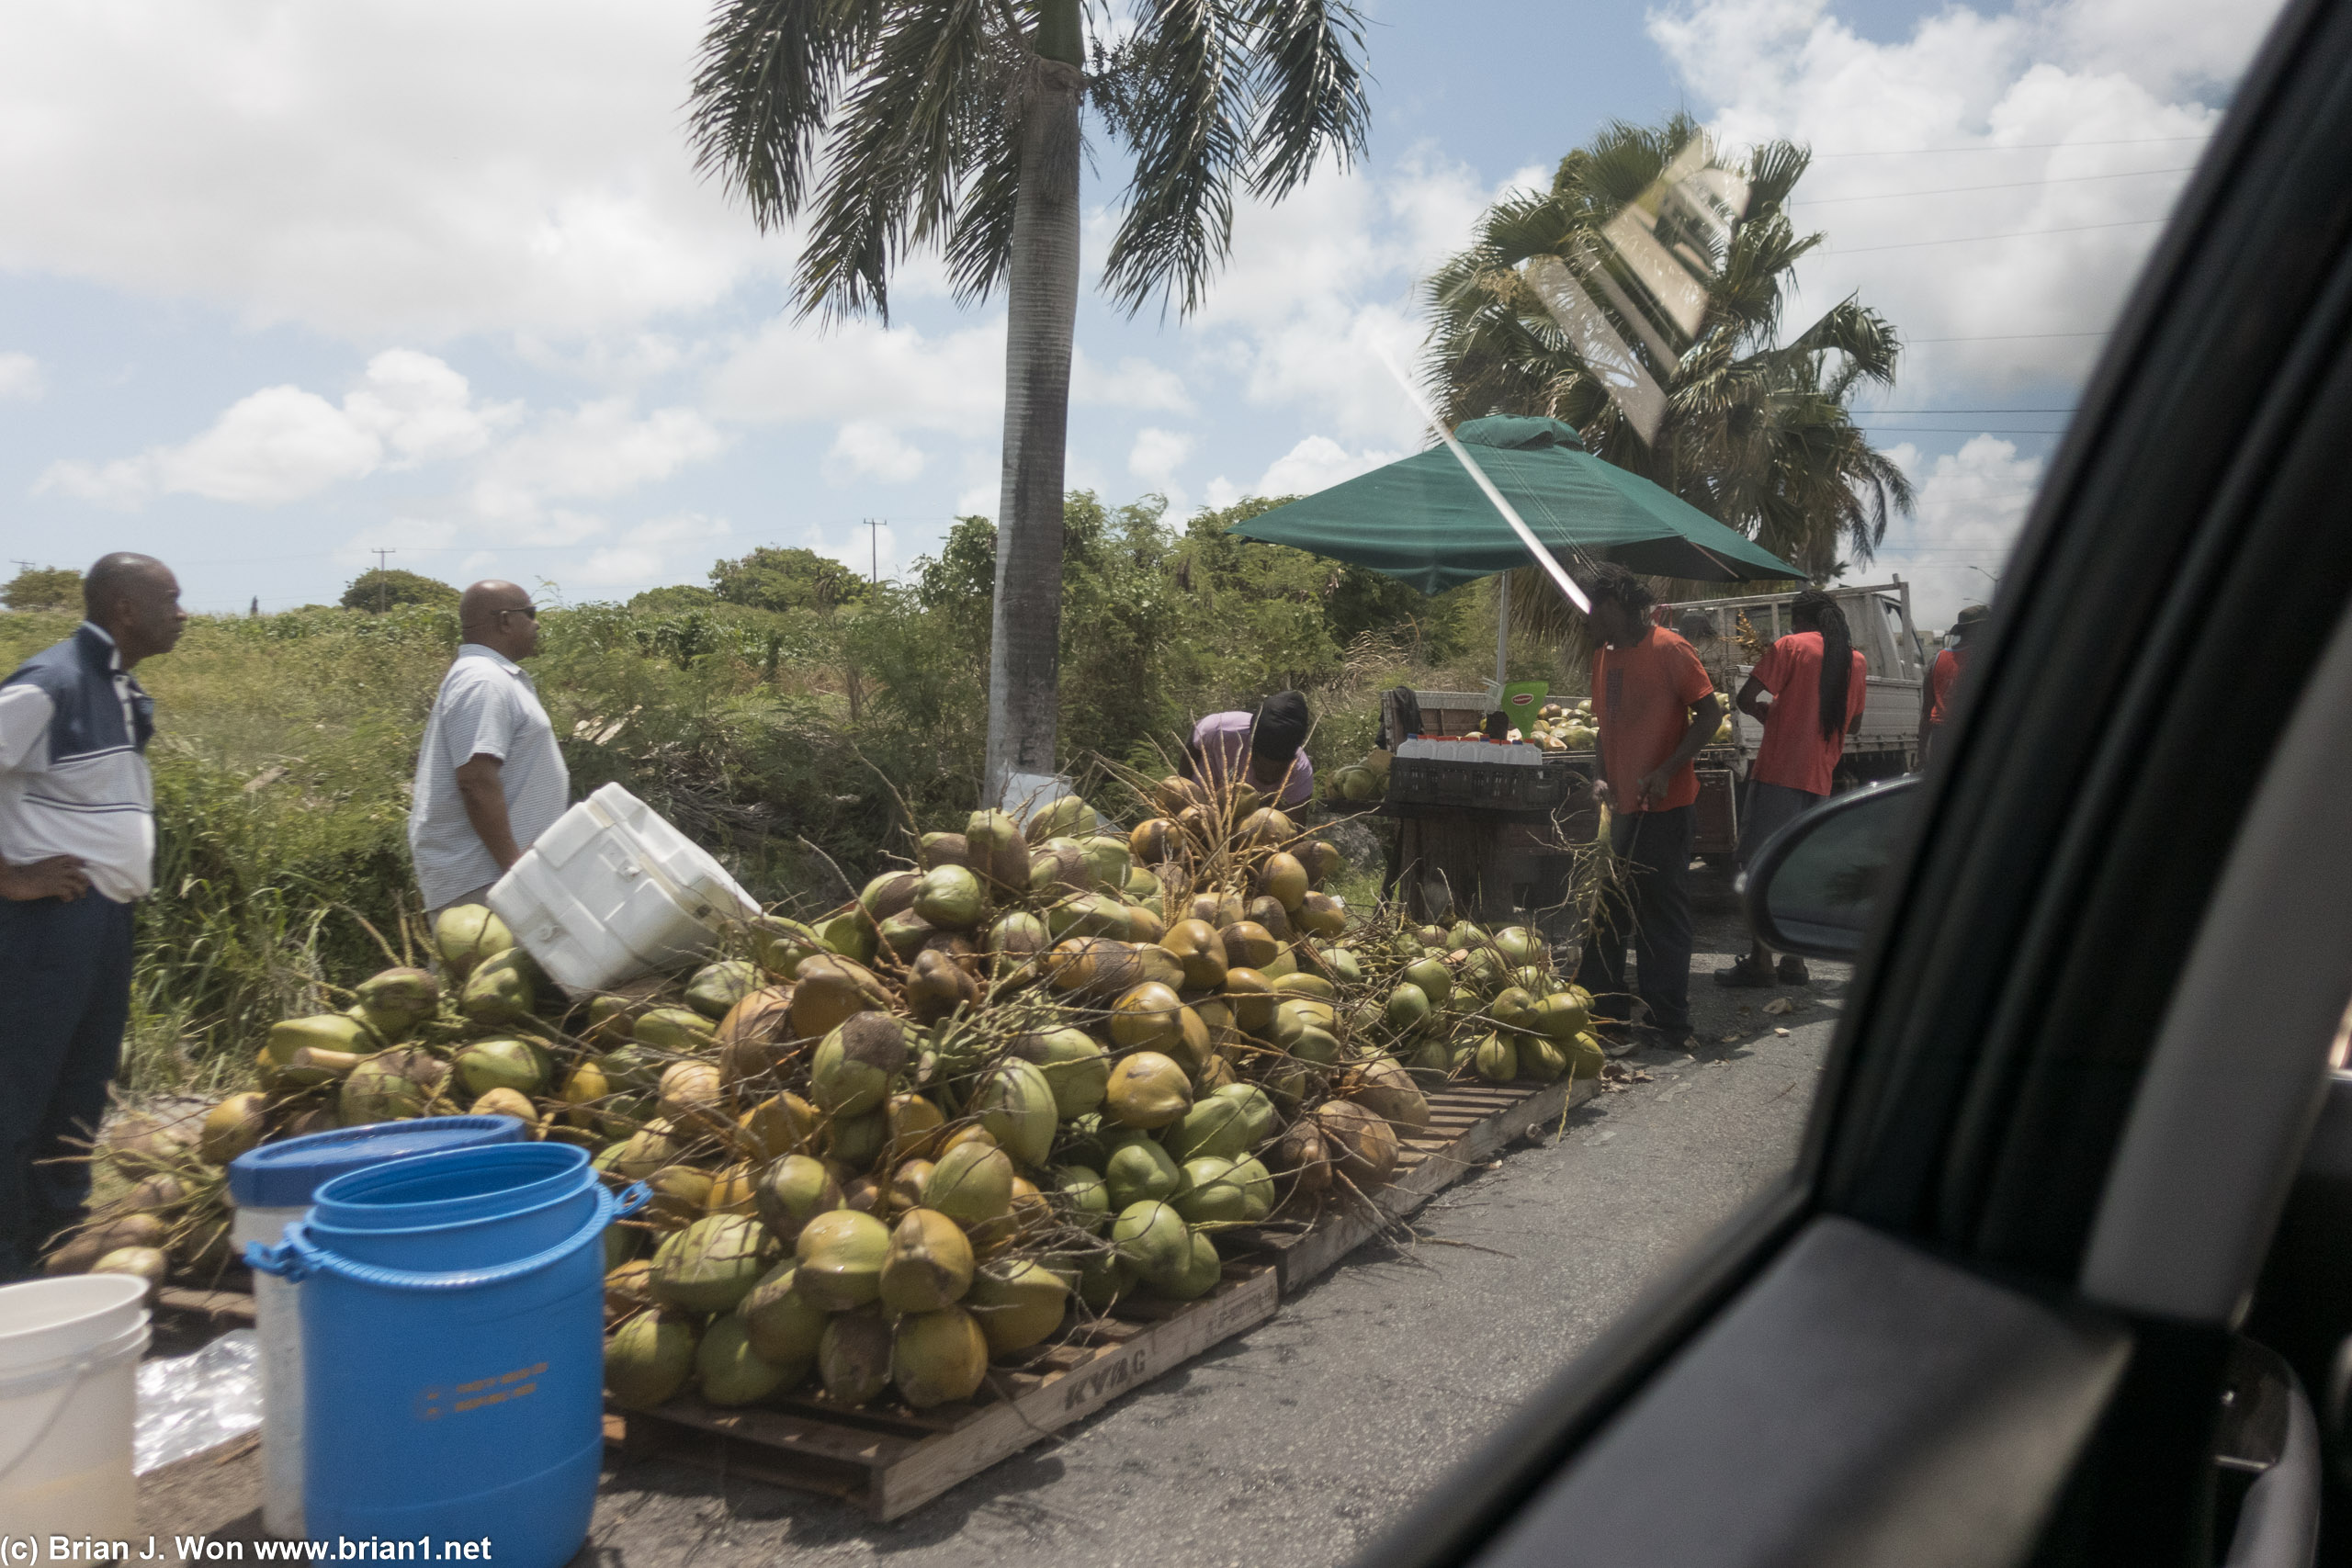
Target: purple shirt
pixel 1222 743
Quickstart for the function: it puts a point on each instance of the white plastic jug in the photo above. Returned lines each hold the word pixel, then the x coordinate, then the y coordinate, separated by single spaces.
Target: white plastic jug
pixel 611 891
pixel 68 1363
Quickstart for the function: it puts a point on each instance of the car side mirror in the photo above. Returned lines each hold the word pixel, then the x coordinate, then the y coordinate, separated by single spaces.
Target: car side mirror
pixel 1812 887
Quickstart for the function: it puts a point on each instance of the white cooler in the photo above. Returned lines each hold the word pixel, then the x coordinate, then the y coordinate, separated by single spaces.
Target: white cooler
pixel 611 891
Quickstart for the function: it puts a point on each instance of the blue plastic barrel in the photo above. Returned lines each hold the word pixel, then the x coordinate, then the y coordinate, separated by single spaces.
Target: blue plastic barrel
pixel 454 1376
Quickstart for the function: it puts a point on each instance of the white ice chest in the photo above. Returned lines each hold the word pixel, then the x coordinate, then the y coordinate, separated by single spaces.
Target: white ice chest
pixel 611 891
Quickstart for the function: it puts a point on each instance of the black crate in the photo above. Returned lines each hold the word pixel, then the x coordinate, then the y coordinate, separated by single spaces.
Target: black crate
pixel 1489 786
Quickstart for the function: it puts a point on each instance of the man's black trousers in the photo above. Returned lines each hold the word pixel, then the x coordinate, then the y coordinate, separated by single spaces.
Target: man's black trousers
pixel 65 978
pixel 1649 906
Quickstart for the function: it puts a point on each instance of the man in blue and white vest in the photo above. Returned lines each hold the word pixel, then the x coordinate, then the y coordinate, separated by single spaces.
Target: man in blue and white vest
pixel 77 849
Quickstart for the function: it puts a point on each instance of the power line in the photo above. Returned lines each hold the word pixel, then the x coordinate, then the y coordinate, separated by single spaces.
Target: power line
pixel 2002 337
pixel 2010 185
pixel 2010 146
pixel 1973 239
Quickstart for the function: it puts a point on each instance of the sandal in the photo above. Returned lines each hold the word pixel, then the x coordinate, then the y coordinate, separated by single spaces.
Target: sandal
pixel 1744 973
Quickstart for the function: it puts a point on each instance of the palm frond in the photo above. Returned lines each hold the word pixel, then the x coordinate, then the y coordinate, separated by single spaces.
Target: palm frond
pixel 1187 103
pixel 1310 90
pixel 768 77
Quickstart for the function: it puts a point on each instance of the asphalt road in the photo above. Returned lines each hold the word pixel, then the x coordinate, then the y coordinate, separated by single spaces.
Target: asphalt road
pixel 1300 1441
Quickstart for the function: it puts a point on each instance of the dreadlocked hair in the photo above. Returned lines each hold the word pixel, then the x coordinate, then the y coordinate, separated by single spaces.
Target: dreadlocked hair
pixel 1815 610
pixel 1608 583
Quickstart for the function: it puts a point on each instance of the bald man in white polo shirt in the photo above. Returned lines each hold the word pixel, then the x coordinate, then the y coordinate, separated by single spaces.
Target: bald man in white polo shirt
pixel 490 777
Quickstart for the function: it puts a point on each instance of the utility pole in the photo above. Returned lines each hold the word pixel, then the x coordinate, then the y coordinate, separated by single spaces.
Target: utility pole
pixel 383 588
pixel 873 538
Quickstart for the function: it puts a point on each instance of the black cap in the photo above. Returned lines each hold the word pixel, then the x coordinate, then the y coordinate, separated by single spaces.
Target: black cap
pixel 1970 614
pixel 1282 726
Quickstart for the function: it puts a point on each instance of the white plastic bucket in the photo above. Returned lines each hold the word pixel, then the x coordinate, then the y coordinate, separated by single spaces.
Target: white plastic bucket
pixel 278 1324
pixel 68 1363
pixel 612 891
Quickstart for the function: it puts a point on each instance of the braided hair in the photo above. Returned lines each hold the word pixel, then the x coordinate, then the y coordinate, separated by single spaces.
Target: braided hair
pixel 1818 611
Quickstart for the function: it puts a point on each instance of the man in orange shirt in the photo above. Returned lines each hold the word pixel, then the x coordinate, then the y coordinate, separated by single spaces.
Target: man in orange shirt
pixel 1656 706
pixel 1817 685
pixel 1936 696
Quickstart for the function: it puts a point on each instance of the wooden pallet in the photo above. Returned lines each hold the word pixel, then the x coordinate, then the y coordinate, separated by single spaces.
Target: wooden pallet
pixel 218 1310
pixel 1468 1126
pixel 888 1462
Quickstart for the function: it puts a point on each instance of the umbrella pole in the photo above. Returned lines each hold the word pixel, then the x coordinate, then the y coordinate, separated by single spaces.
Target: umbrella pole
pixel 1502 631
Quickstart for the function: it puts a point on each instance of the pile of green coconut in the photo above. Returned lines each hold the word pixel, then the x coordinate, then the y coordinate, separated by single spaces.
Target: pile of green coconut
pixel 1034 1074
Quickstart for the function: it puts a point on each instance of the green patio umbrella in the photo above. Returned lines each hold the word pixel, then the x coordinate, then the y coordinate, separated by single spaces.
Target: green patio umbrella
pixel 1423 518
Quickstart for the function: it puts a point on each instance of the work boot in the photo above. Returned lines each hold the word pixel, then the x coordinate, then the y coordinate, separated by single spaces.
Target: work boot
pixel 1792 971
pixel 1749 973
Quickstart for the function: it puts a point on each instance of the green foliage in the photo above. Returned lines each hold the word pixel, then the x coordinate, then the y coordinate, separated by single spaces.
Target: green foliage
pixel 387 587
pixel 790 742
pixel 779 578
pixel 43 588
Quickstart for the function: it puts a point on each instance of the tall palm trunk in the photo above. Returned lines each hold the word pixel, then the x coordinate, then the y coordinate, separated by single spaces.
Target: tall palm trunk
pixel 1025 650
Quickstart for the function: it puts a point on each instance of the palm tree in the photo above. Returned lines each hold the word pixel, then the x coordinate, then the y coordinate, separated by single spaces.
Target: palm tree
pixel 900 124
pixel 1546 314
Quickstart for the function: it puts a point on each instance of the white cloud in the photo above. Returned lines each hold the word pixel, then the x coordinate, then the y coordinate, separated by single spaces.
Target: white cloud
pixel 423 168
pixel 2002 88
pixel 282 443
pixel 1317 463
pixel 1137 383
pixel 1158 454
pixel 20 377
pixel 649 554
pixel 600 448
pixel 862 371
pixel 1971 505
pixel 867 449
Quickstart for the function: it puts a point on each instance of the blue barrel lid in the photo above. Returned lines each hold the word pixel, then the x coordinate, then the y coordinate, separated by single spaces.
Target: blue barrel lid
pixel 284 1175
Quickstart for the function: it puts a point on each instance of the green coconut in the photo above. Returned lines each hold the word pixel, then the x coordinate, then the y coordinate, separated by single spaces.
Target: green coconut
pixel 841 1254
pixel 1138 1169
pixel 717 987
pixel 891 893
pixel 503 988
pixel 1586 1057
pixel 1256 1186
pixel 938 1357
pixel 1495 1058
pixel 391 1086
pixel 1560 1017
pixel 1063 818
pixel 792 1191
pixel 1227 1122
pixel 850 933
pixel 731 1369
pixel 779 944
pixel 324 1031
pixel 784 1326
pixel 713 1263
pixel 645 1151
pixel 1016 1103
pixel 856 1141
pixel 856 1065
pixel 950 898
pixel 1435 980
pixel 1202 1269
pixel 672 1030
pixel 1512 1008
pixel 905 934
pixel 648 1358
pixel 1017 937
pixel 1076 1066
pixel 1110 860
pixel 929 1265
pixel 1105 1278
pixel 1086 1196
pixel 971 1184
pixel 394 1002
pixel 1154 1240
pixel 632 1068
pixel 1148 1090
pixel 854 1358
pixel 465 934
pixel 232 1127
pixel 1346 967
pixel 1210 1195
pixel 502 1063
pixel 1018 1305
pixel 149 1265
pixel 1540 1059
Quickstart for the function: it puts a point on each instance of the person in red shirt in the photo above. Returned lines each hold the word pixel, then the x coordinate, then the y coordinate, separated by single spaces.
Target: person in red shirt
pixel 1655 706
pixel 1936 695
pixel 1816 685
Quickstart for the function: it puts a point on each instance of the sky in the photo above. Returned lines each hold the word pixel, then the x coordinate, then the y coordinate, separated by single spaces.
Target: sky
pixel 284 286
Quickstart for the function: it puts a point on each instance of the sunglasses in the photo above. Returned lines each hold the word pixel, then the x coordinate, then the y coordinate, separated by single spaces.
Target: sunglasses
pixel 530 610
